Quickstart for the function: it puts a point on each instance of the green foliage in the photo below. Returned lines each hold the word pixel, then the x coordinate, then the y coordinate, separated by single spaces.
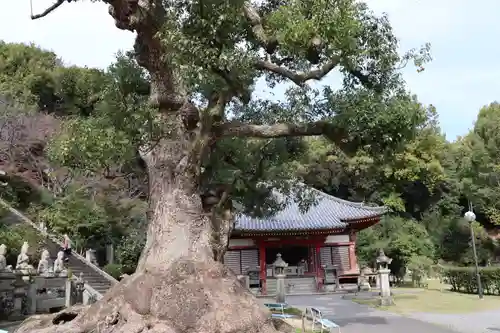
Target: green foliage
pixel 401 239
pixel 421 267
pixel 13 236
pixel 477 164
pixel 83 220
pixel 34 78
pixel 406 175
pixel 24 68
pixel 115 270
pixel 456 245
pixel 129 250
pixel 464 279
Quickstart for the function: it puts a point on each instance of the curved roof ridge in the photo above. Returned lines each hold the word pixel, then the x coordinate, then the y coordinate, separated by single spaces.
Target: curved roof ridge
pixel 343 201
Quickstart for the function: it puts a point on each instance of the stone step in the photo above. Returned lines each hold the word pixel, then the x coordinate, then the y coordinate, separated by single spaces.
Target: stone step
pixel 95 280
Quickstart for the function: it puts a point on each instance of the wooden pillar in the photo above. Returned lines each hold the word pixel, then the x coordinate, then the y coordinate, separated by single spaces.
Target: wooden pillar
pixel 317 265
pixel 263 268
pixel 353 260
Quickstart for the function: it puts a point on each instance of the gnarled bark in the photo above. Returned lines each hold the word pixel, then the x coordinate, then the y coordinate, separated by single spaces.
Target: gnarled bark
pixel 178 286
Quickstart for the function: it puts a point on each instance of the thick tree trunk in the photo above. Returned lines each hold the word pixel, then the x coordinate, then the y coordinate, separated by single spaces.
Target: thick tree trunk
pixel 178 286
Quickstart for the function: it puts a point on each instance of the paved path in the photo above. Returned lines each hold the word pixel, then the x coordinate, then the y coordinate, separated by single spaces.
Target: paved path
pixel 478 322
pixel 357 318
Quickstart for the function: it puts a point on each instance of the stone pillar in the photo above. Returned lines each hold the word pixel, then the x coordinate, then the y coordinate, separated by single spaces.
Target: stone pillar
pixel 246 281
pixel 110 254
pixel 78 286
pixel 90 256
pixel 383 272
pixel 280 288
pixel 385 289
pixel 31 297
pixel 279 266
pixel 86 298
pixel 19 293
pixel 68 293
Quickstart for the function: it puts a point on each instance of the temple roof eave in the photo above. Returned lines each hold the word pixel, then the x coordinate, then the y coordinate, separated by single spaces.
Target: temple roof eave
pixel 329 213
pixel 281 233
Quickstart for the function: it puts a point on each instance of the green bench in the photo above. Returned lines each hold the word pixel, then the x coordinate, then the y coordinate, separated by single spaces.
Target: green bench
pixel 277 310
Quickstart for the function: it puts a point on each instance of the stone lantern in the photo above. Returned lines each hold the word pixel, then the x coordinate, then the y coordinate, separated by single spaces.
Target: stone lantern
pixel 383 262
pixel 279 272
pixel 279 265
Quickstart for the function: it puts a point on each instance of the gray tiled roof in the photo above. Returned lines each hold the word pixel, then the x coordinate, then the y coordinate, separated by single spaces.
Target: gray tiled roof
pixel 327 212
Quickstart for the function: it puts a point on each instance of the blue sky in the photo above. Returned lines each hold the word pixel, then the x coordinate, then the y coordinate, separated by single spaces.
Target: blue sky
pixel 462 77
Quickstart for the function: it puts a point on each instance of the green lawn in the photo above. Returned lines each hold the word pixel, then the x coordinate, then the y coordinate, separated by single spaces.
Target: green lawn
pixel 436 299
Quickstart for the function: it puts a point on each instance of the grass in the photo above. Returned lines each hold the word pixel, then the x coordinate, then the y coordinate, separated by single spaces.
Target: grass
pixel 293 311
pixel 436 299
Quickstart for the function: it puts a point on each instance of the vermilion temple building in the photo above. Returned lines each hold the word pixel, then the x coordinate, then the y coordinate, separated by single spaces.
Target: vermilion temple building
pixel 322 236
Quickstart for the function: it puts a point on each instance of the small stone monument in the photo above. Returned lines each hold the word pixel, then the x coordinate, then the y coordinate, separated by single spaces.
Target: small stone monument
pixel 59 268
pixel 302 267
pixel 3 259
pixel 363 284
pixel 279 272
pixel 383 272
pixel 44 264
pixel 23 259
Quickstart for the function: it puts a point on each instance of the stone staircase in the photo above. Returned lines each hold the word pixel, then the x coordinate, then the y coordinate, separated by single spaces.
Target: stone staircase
pixel 297 285
pixel 97 282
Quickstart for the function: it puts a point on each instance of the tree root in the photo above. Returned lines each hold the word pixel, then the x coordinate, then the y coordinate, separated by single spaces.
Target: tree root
pixel 189 296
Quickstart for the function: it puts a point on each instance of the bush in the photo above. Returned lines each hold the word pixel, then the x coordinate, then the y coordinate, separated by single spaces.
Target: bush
pixel 463 279
pixel 114 270
pixel 129 250
pixel 421 269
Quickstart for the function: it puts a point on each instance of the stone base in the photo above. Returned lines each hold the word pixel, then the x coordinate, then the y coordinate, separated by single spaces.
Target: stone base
pixel 329 287
pixel 364 286
pixel 386 301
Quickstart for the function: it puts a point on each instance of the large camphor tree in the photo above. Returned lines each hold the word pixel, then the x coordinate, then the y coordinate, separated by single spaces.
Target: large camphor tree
pixel 204 58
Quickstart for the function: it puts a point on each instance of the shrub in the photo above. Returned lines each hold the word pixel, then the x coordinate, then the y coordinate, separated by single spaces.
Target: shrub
pixel 114 270
pixel 463 279
pixel 421 269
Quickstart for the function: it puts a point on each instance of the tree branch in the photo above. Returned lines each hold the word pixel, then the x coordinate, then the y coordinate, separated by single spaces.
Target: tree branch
pixel 239 129
pixel 299 78
pixel 47 11
pixel 268 43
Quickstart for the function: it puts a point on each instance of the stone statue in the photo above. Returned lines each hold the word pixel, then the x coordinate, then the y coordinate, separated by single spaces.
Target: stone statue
pixel 59 264
pixel 3 260
pixel 23 258
pixel 44 265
